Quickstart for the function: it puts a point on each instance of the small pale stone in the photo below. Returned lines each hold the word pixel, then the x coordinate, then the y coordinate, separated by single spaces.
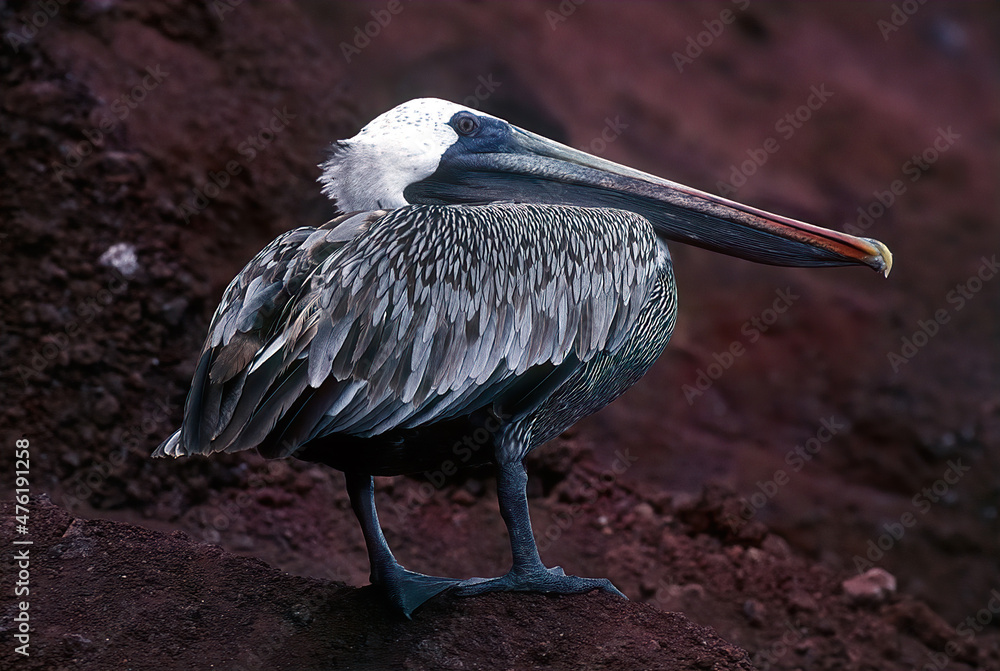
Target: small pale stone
pixel 644 511
pixel 121 256
pixel 776 546
pixel 872 585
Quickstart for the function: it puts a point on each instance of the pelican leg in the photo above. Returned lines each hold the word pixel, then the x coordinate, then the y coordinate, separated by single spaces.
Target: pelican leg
pixel 528 573
pixel 406 590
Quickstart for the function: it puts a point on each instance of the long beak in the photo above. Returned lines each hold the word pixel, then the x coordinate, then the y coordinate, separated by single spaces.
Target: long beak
pixel 532 169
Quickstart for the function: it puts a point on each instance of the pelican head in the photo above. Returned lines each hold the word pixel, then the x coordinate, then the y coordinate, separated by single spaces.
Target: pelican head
pixel 430 151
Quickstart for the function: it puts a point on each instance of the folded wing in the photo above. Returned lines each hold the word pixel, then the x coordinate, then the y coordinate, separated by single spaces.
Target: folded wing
pixel 391 320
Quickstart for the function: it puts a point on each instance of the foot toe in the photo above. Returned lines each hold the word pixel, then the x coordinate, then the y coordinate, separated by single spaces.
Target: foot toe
pixel 551 581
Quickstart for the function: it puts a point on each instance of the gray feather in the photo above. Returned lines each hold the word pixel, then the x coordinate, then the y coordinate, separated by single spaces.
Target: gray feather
pixel 421 314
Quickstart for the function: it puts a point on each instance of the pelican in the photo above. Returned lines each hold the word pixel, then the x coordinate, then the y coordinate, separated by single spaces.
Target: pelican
pixel 482 281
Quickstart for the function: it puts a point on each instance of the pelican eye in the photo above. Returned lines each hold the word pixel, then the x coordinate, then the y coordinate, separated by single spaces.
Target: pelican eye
pixel 466 123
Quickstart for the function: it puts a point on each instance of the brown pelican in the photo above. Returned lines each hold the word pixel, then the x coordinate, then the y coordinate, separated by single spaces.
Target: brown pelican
pixel 482 278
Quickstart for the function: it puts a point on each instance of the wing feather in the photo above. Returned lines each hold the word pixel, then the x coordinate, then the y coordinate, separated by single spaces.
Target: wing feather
pixel 250 320
pixel 425 313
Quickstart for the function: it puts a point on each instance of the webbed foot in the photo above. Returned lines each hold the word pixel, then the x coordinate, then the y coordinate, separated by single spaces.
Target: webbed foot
pixel 407 590
pixel 548 580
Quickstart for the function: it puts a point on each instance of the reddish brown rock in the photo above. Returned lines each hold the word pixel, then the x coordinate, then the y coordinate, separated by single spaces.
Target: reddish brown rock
pixel 106 593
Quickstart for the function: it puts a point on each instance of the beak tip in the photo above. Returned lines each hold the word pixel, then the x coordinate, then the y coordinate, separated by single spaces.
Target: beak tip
pixel 881 260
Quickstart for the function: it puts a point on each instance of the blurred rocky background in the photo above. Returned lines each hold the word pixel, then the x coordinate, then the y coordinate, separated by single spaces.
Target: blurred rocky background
pixel 811 469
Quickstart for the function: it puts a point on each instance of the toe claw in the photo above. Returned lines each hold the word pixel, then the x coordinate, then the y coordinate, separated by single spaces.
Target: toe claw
pixel 610 588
